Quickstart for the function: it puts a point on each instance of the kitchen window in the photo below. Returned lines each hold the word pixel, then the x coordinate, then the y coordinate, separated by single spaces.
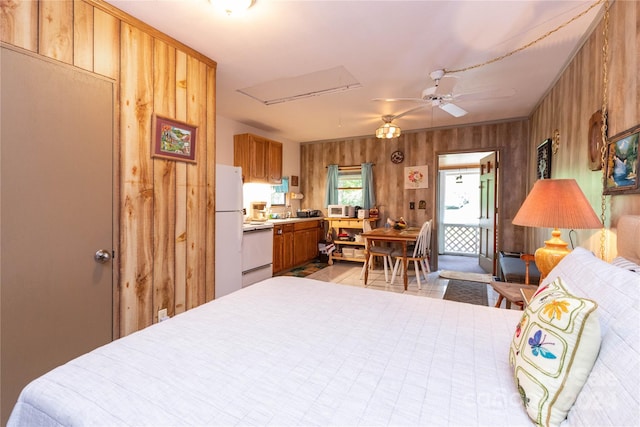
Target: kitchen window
pixel 350 186
pixel 279 193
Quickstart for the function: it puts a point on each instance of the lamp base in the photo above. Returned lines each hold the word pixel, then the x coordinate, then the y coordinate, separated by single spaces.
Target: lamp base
pixel 550 255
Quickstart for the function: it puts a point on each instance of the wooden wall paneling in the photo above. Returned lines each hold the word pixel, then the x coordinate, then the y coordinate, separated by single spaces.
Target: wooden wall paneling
pixel 625 111
pixel 569 105
pixel 164 184
pixel 106 61
pixel 211 178
pixel 19 23
pixel 181 192
pixel 325 159
pixel 196 185
pixel 56 30
pixel 106 39
pixel 624 58
pixel 312 178
pixel 83 34
pixel 571 118
pixel 305 175
pixel 153 32
pixel 419 155
pixel 137 180
pixel 386 186
pixel 420 148
pixel 632 79
pixel 395 191
pixel 96 36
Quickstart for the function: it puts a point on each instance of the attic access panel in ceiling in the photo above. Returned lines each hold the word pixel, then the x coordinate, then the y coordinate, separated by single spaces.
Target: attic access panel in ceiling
pixel 287 89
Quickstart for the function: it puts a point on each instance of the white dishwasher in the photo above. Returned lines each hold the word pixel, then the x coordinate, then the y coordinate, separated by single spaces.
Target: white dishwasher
pixel 257 253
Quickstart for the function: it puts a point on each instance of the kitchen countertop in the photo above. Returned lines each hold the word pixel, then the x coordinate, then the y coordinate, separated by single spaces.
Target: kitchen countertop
pixel 292 220
pixel 258 225
pixel 250 226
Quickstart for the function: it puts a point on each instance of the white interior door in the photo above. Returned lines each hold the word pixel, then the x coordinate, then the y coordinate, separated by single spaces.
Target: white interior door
pixel 56 212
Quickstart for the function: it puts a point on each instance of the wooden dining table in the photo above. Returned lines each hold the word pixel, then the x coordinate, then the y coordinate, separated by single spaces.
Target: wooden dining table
pixel 383 234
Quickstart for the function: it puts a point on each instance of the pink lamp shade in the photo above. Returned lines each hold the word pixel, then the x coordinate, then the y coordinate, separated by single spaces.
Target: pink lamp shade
pixel 555 203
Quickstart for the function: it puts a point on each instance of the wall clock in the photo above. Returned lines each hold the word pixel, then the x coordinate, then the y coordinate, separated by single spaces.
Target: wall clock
pixel 397 157
pixel 544 160
pixel 595 141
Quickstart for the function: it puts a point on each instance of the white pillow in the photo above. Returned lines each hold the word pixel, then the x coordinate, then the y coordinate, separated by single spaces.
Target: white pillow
pixel 553 350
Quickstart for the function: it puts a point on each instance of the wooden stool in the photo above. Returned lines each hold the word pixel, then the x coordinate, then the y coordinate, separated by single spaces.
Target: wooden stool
pixel 511 292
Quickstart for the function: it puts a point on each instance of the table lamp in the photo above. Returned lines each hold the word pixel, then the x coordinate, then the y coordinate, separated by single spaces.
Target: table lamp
pixel 555 203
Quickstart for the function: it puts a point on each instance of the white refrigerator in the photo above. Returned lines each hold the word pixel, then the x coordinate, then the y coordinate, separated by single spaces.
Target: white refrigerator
pixel 228 236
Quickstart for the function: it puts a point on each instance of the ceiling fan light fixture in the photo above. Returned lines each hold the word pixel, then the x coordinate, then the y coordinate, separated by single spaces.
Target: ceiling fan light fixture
pixel 388 130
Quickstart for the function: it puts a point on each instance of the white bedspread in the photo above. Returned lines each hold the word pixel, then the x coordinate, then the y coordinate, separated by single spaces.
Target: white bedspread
pixel 292 351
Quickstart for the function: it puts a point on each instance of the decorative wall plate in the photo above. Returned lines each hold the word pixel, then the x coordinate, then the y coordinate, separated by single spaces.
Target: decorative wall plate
pixel 595 141
pixel 397 157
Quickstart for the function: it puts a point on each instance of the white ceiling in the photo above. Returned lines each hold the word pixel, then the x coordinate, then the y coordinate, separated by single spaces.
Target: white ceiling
pixel 389 47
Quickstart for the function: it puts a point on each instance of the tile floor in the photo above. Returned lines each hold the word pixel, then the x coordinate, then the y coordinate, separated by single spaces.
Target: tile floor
pixel 348 273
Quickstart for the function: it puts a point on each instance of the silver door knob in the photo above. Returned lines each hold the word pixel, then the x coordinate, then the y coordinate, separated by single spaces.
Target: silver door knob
pixel 102 256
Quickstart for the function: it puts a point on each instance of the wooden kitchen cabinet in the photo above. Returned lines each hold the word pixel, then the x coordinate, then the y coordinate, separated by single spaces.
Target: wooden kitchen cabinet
pixel 260 158
pixel 305 242
pixel 295 243
pixel 282 247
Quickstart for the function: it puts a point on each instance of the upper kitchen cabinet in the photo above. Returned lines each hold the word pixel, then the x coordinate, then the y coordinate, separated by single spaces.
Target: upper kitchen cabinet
pixel 260 158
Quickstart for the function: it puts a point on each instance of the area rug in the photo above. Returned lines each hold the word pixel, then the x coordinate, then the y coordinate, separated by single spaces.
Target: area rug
pixel 470 277
pixel 466 291
pixel 305 269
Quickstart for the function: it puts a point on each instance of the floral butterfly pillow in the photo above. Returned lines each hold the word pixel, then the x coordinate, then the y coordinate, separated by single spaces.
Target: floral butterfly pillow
pixel 553 350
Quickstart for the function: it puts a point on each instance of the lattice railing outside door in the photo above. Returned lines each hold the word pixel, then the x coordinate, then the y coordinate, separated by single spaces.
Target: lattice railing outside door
pixel 461 239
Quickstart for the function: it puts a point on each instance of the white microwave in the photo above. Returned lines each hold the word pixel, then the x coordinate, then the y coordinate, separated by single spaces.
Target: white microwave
pixel 337 211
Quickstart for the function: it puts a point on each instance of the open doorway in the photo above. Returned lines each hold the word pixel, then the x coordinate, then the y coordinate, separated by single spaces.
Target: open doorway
pixel 461 203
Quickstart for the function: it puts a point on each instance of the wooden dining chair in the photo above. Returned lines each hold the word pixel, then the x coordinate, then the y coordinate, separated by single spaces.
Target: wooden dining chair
pixel 420 255
pixel 376 251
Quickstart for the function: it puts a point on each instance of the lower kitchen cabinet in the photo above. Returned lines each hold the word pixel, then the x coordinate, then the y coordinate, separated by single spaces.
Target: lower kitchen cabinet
pixel 305 244
pixel 282 247
pixel 295 243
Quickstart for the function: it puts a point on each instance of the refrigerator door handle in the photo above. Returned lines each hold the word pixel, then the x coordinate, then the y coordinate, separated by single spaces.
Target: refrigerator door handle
pixel 240 231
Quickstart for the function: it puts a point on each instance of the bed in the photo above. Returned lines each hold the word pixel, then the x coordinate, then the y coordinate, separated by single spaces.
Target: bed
pixel 291 351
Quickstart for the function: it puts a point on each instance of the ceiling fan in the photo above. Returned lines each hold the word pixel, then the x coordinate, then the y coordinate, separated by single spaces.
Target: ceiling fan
pixel 432 97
